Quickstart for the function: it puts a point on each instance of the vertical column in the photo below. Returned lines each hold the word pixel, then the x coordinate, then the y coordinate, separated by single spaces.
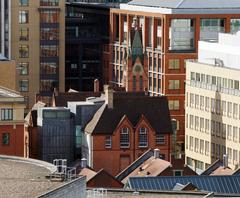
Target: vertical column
pixel 2 12
pixel 155 22
pixel 228 24
pixel 167 22
pixel 197 29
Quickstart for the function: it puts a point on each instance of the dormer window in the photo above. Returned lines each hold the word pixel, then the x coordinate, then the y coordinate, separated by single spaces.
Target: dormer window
pixel 143 137
pixel 124 138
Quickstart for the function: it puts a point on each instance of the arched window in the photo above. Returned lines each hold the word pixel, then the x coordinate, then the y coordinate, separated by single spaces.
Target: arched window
pixel 141 83
pixel 143 137
pixel 124 138
pixel 134 83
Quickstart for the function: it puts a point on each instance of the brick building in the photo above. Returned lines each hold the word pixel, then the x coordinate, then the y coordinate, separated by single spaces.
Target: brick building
pixel 167 34
pixel 13 138
pixel 125 127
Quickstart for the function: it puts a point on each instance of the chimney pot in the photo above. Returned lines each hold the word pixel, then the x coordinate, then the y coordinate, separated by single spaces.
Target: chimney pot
pixel 96 85
pixel 225 160
pixel 109 96
pixel 83 163
pixel 156 153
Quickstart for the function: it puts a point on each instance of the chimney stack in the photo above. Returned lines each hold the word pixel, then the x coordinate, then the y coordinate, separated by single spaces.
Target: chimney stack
pixel 109 96
pixel 96 85
pixel 156 153
pixel 225 160
pixel 83 163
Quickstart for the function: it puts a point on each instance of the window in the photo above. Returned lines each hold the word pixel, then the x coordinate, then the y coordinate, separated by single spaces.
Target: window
pixel 224 129
pixel 174 64
pixel 202 102
pixel 49 68
pixel 143 137
pixel 224 107
pixel 160 139
pixel 235 134
pixel 49 16
pixel 23 34
pixel 141 83
pixel 207 123
pixel 207 104
pixel 134 83
pixel 206 148
pixel 124 138
pixel 173 104
pixel 235 110
pixel 174 84
pixel 177 173
pixel 23 16
pixel 191 143
pixel 49 34
pixel 229 132
pixel 23 2
pixel 201 146
pixel 6 114
pixel 196 147
pixel 23 67
pixel 23 51
pixel 229 110
pixel 5 138
pixel 49 51
pixel 23 85
pixel 108 142
pixel 49 2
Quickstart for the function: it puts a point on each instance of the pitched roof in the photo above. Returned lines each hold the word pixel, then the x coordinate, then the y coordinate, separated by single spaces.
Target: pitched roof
pixel 89 173
pixel 216 184
pixel 188 4
pixel 62 98
pixel 133 105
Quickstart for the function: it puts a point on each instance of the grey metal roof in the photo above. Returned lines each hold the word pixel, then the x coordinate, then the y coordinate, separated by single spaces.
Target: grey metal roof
pixel 188 4
pixel 216 184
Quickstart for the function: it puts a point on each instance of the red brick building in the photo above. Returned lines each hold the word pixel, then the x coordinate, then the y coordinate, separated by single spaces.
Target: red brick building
pixel 168 34
pixel 125 127
pixel 13 139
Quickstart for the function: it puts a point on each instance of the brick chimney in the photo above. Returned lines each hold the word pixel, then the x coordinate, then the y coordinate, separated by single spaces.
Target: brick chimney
pixel 96 85
pixel 109 96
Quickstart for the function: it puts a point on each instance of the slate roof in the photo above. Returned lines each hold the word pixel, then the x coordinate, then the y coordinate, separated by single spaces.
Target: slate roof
pixel 62 98
pixel 216 184
pixel 188 4
pixel 133 106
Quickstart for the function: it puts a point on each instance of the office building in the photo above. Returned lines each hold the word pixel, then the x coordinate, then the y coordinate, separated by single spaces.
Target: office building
pixel 213 104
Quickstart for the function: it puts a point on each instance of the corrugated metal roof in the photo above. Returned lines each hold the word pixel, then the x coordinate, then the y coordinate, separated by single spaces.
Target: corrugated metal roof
pixel 188 4
pixel 216 184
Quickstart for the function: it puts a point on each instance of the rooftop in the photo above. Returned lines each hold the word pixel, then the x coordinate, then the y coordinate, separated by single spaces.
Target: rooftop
pixel 22 178
pixel 184 6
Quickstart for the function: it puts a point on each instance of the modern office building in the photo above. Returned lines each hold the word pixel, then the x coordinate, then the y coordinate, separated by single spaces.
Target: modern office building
pixel 150 41
pixel 213 104
pixel 87 43
pixel 37 45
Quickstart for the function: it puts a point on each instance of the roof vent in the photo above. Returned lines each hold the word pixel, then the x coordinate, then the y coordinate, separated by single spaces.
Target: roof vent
pixel 84 163
pixel 156 153
pixel 225 160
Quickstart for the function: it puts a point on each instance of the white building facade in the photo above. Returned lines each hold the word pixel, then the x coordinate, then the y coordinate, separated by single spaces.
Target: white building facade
pixel 212 106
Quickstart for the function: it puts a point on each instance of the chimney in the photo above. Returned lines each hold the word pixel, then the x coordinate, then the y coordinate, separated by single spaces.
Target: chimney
pixel 225 160
pixel 156 153
pixel 109 96
pixel 83 163
pixel 96 85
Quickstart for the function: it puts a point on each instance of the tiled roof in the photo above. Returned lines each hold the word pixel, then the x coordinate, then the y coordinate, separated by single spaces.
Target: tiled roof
pixel 188 4
pixel 133 106
pixel 216 184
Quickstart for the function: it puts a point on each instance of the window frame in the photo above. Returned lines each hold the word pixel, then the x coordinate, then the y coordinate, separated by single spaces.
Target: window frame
pixel 143 137
pixel 125 137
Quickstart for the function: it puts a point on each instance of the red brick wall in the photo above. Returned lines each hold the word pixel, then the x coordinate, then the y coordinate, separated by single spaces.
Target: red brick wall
pixel 110 159
pixel 33 142
pixel 17 140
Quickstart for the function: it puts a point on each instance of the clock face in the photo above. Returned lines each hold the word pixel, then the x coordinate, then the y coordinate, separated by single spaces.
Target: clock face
pixel 137 69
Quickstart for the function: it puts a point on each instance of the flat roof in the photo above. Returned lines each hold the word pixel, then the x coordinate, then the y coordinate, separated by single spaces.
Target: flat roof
pixel 184 6
pixel 20 177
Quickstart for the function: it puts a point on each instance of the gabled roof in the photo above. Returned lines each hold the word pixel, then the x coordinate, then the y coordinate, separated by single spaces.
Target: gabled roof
pixel 188 4
pixel 155 109
pixel 216 184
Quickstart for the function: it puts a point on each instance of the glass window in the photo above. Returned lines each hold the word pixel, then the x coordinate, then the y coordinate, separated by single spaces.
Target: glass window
pixel 49 34
pixel 23 51
pixel 47 85
pixel 108 142
pixel 23 16
pixel 6 114
pixel 5 138
pixel 23 67
pixel 23 85
pixel 49 2
pixel 143 137
pixel 160 139
pixel 141 83
pixel 49 68
pixel 173 84
pixel 49 16
pixel 235 25
pixel 177 173
pixel 173 104
pixel 49 50
pixel 174 64
pixel 124 138
pixel 23 34
pixel 23 2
